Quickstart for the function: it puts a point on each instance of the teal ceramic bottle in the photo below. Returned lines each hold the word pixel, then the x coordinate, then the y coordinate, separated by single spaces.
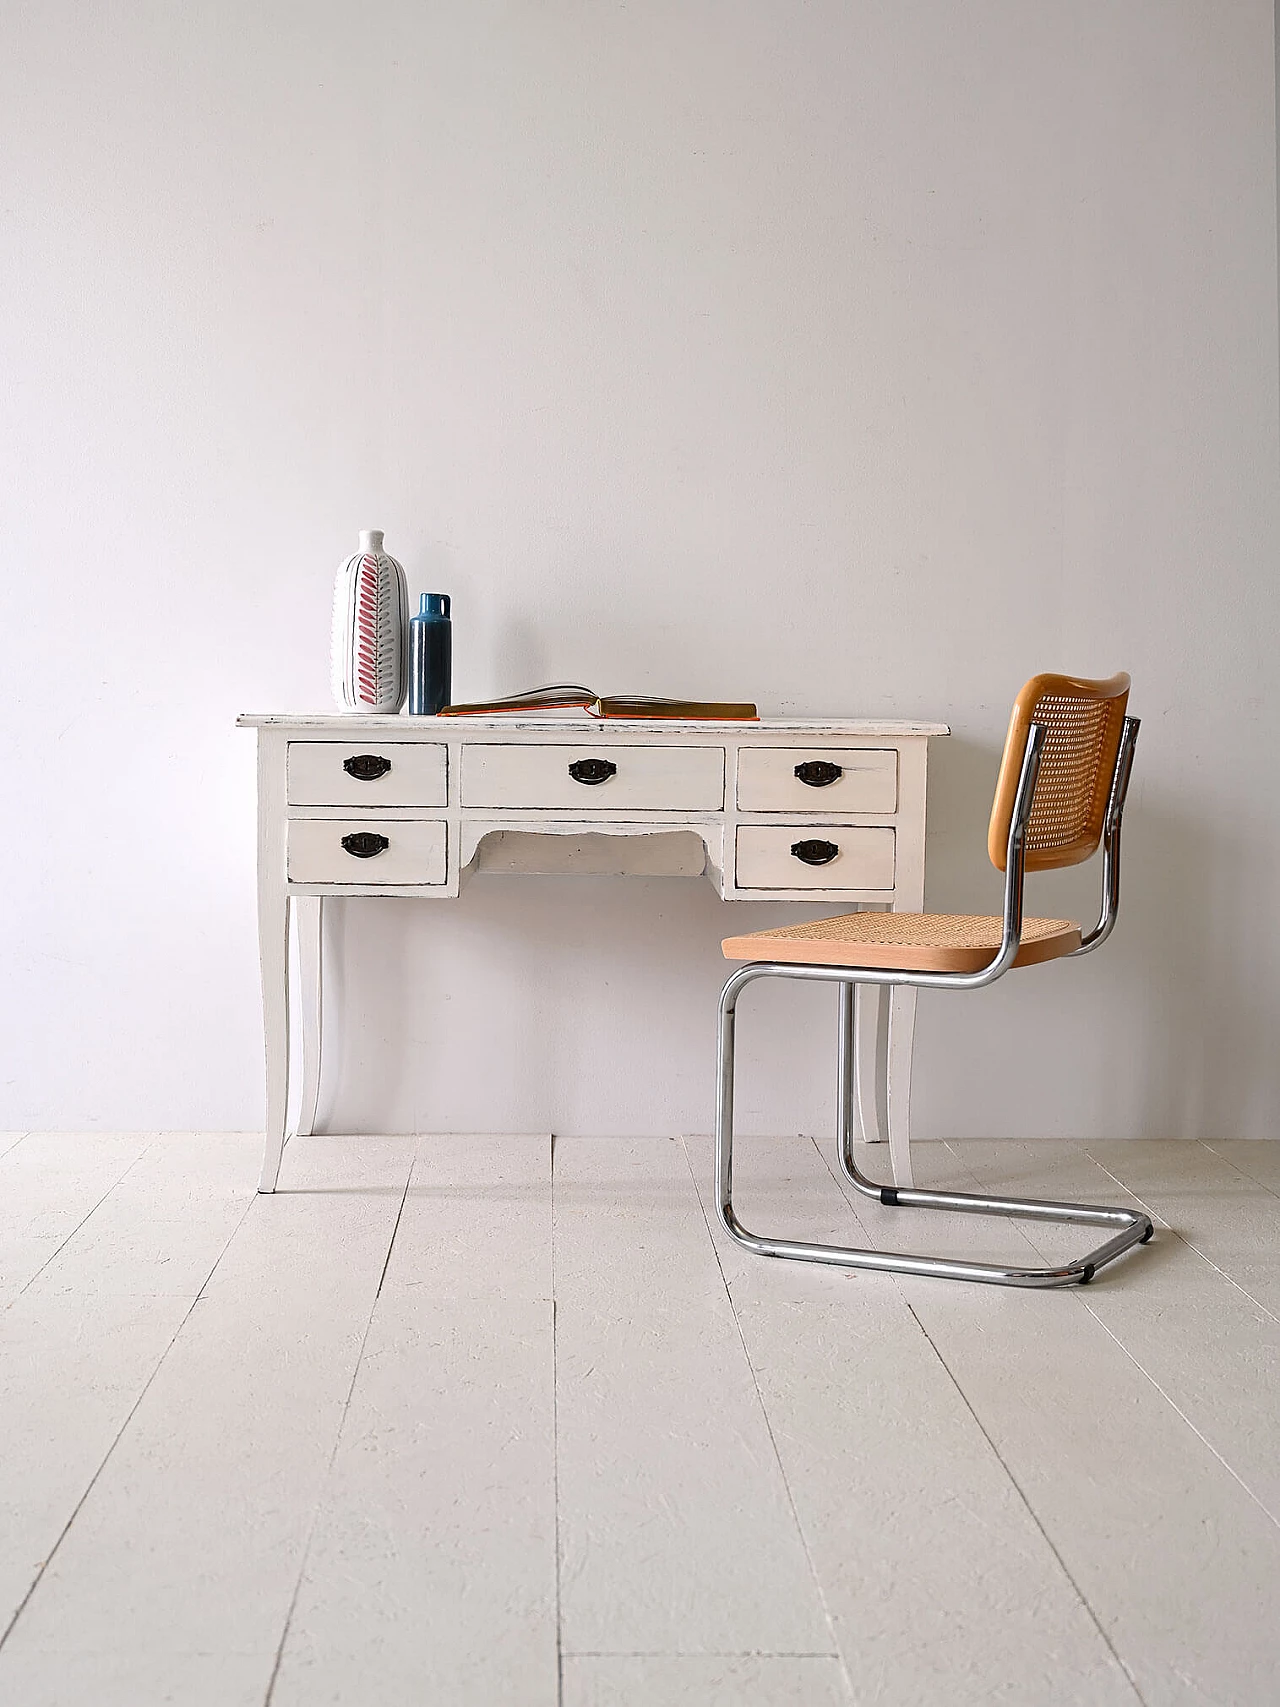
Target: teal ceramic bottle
pixel 430 656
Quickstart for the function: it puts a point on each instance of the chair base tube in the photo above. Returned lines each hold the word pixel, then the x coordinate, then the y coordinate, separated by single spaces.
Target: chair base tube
pixel 1130 1226
pixel 1077 1273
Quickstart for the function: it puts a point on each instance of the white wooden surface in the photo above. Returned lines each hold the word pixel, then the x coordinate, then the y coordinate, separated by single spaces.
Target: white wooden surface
pixel 864 857
pixel 695 775
pixel 767 780
pixel 664 1446
pixel 417 776
pixel 1160 1534
pixel 49 1184
pixel 208 1496
pixel 915 1528
pixel 457 783
pixel 415 851
pixel 308 918
pixel 656 779
pixel 473 1428
pixel 80 1345
pixel 716 1680
pixel 431 1571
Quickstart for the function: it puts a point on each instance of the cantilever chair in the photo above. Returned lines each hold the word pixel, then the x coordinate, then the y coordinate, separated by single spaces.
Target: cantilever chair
pixel 1060 793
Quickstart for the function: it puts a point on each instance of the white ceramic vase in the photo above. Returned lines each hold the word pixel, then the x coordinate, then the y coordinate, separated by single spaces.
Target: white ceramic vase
pixel 370 630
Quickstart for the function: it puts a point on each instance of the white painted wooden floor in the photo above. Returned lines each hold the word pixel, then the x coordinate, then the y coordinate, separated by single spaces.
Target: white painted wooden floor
pixel 440 1424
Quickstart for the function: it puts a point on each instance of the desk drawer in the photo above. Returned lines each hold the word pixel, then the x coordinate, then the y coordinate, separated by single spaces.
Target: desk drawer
pixel 630 779
pixel 414 851
pixel 795 779
pixel 366 772
pixel 863 858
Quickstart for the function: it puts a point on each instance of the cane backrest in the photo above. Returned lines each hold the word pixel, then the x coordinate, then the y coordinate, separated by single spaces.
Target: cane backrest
pixel 1083 721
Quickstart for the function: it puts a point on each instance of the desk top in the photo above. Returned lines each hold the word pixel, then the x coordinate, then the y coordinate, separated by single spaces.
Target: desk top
pixel 446 728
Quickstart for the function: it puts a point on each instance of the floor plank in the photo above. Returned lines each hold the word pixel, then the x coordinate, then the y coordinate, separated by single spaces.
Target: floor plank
pixel 191 1540
pixel 1141 1511
pixel 49 1183
pixel 667 1472
pixel 477 1219
pixel 667 1680
pixel 1215 1208
pixel 940 1583
pixel 79 1346
pixel 773 1483
pixel 1257 1159
pixel 1204 1343
pixel 432 1572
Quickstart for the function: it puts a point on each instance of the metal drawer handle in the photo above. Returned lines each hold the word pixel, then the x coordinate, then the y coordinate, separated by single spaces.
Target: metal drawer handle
pixel 815 852
pixel 366 767
pixel 364 844
pixel 592 770
pixel 819 773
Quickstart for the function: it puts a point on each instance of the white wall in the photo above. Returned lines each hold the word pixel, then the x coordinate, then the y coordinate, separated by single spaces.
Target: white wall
pixel 862 358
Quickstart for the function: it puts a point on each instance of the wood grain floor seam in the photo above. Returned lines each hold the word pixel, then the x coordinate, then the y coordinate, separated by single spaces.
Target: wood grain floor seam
pixel 1164 1226
pixel 1254 1179
pixel 773 1442
pixel 120 1432
pixel 1021 1492
pixel 1178 1411
pixel 482 1419
pixel 84 1219
pixel 702 1654
pixel 337 1437
pixel 1014 1482
pixel 1081 1298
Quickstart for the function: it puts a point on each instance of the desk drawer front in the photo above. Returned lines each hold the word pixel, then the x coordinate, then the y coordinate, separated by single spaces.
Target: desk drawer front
pixel 368 772
pixel 594 778
pixel 365 850
pixel 818 779
pixel 862 858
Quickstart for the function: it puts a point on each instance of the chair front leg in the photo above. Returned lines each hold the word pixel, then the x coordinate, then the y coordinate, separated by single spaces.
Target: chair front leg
pixel 1131 1226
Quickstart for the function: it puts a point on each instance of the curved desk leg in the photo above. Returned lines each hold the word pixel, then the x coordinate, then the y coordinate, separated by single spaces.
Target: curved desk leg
pixel 866 1027
pixel 902 1027
pixel 273 947
pixel 308 916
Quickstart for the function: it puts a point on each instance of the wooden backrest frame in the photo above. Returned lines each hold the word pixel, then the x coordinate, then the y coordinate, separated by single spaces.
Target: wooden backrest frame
pixel 1083 721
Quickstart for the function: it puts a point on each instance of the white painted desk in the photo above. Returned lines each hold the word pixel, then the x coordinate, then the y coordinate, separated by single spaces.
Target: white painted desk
pixel 783 810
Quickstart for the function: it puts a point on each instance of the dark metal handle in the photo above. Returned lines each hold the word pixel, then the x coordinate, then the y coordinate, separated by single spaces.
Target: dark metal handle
pixel 592 770
pixel 818 773
pixel 366 767
pixel 365 843
pixel 815 853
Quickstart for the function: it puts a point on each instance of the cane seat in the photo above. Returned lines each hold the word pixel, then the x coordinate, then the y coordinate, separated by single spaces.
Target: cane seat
pixel 908 942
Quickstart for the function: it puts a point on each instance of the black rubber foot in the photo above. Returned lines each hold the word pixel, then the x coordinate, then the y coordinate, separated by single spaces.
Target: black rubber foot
pixel 1149 1234
pixel 888 1194
pixel 1087 1274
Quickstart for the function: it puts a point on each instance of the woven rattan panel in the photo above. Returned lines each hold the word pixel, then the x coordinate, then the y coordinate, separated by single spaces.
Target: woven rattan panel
pixel 913 941
pixel 1068 802
pixel 1082 721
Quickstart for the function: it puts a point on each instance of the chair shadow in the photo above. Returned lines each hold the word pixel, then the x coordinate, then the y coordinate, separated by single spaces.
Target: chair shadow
pixel 1178 1002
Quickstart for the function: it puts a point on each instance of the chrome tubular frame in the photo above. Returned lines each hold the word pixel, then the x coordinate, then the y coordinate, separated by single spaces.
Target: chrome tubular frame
pixel 1111 841
pixel 1131 1226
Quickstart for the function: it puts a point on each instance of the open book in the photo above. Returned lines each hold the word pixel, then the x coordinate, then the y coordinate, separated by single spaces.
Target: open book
pixel 562 698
